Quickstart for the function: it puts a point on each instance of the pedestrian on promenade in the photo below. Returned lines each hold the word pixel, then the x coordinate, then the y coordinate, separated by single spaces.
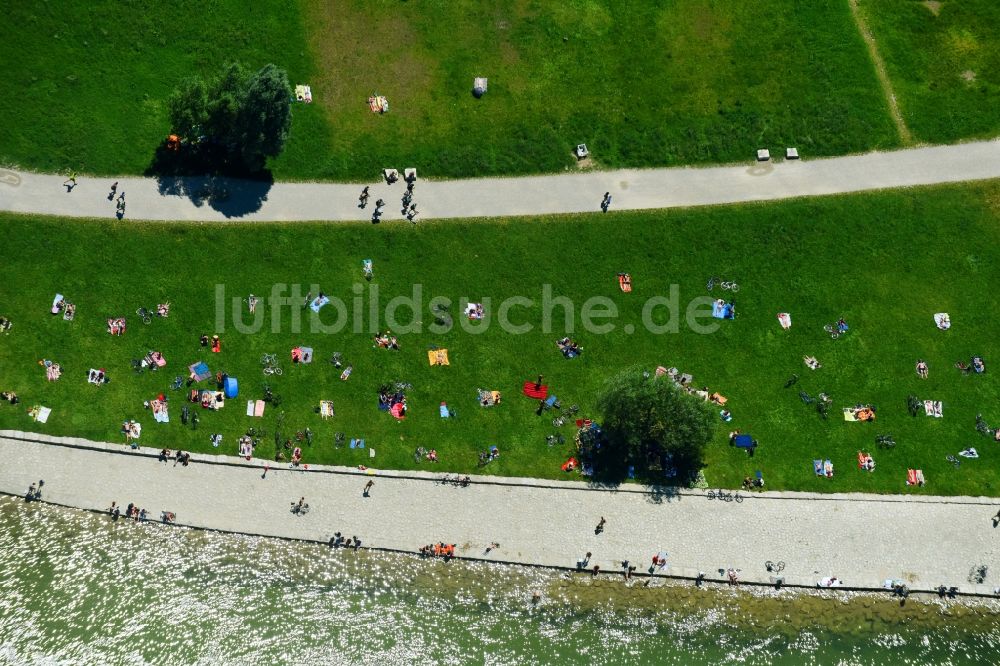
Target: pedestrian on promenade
pixel 379 204
pixel 363 199
pixel 606 202
pixel 368 487
pixel 600 526
pixel 70 182
pixel 114 188
pixel 357 543
pixel 121 196
pixel 111 509
pixel 996 519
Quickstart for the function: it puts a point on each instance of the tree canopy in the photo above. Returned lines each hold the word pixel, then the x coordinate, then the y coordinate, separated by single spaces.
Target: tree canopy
pixel 649 422
pixel 241 115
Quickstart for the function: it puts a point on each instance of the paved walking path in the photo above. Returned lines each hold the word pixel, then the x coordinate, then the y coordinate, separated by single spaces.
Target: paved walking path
pixel 862 539
pixel 204 200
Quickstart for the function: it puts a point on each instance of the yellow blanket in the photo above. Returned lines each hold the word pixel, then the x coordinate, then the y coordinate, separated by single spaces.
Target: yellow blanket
pixel 438 357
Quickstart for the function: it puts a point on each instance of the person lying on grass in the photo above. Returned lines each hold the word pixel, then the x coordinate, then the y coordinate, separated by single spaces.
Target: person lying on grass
pixel 386 341
pixel 569 348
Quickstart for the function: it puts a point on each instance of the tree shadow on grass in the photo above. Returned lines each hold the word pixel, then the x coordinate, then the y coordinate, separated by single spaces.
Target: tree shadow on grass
pixel 206 179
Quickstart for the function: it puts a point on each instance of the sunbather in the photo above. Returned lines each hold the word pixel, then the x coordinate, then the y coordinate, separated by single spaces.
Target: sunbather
pixel 811 362
pixel 53 371
pixel 5 324
pixel 569 348
pixel 921 369
pixel 977 364
pixel 865 461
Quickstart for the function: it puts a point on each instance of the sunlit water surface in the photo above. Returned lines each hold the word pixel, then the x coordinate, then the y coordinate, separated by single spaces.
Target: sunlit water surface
pixel 75 587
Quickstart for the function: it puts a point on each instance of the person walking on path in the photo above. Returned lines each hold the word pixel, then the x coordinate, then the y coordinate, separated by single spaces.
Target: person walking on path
pixel 606 202
pixel 996 519
pixel 70 182
pixel 368 487
pixel 363 199
pixel 114 188
pixel 600 526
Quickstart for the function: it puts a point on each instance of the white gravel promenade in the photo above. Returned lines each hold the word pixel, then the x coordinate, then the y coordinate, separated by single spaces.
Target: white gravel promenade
pixel 862 539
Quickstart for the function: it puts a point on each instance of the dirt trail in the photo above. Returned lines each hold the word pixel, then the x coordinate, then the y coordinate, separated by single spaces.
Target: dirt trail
pixel 883 77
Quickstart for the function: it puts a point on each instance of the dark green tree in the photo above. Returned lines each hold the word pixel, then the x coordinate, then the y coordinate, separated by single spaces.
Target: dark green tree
pixel 243 115
pixel 648 419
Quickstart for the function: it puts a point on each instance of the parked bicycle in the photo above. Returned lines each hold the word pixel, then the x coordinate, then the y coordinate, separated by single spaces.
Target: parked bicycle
pixel 724 284
pixel 885 441
pixel 145 315
pixel 774 567
pixel 836 329
pixel 725 495
pixel 270 363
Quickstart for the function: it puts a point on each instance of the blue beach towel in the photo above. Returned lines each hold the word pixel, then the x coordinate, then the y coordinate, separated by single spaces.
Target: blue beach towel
pixel 444 411
pixel 723 310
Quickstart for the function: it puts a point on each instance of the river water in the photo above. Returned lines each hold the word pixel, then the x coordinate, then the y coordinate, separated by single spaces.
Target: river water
pixel 77 588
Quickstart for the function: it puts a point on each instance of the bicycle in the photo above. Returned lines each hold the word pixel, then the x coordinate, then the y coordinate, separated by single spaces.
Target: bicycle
pixel 885 441
pixel 726 285
pixel 774 567
pixel 145 315
pixel 270 363
pixel 832 330
pixel 725 496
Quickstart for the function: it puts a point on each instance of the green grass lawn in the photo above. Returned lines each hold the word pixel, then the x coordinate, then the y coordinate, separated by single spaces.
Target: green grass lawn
pixel 944 62
pixel 661 82
pixel 886 262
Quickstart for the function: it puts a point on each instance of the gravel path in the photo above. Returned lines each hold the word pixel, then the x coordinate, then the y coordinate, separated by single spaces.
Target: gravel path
pixel 862 539
pixel 204 200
